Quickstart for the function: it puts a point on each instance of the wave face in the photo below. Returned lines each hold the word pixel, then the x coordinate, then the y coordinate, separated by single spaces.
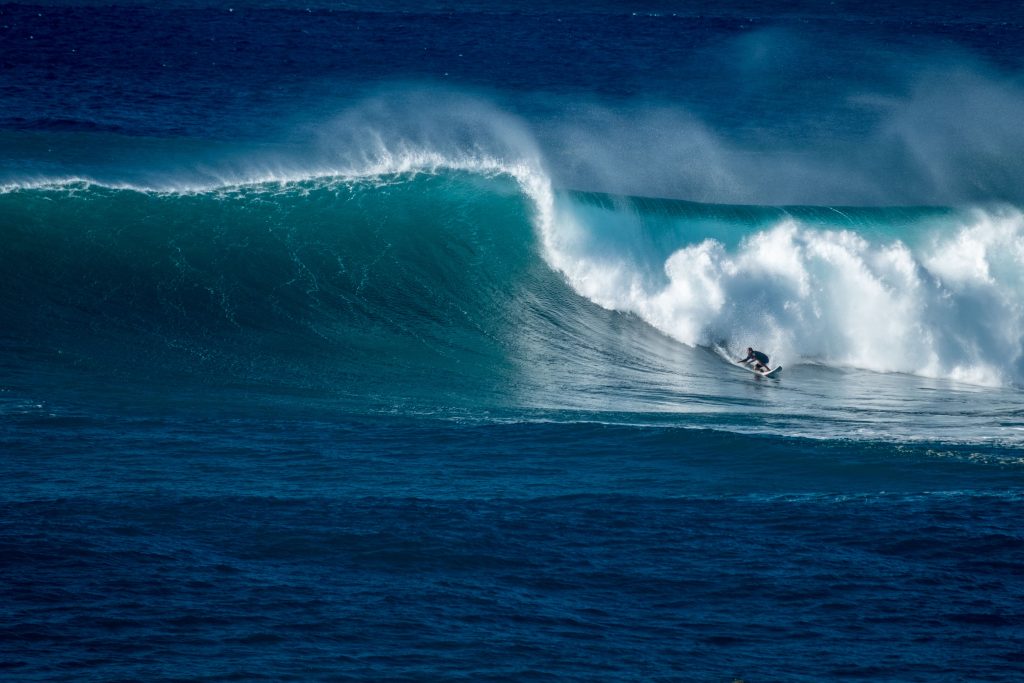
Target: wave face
pixel 307 283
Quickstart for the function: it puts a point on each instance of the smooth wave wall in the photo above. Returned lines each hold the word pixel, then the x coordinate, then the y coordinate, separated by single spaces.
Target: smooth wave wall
pixel 425 286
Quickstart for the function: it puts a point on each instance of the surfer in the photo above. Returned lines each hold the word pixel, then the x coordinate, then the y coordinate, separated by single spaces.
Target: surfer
pixel 760 359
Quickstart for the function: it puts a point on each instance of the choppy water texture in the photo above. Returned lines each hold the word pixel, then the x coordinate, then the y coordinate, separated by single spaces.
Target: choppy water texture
pixel 395 343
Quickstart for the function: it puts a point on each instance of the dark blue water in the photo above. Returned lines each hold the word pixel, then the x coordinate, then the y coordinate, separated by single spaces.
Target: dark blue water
pixel 392 342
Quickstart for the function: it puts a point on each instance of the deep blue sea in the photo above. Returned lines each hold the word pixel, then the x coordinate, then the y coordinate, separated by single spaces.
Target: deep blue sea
pixel 396 341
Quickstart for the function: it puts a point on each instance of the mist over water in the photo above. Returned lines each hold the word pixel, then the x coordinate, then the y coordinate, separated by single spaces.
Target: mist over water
pixel 743 105
pixel 944 134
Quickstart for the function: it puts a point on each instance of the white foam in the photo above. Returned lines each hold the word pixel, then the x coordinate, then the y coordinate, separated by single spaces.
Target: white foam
pixel 951 309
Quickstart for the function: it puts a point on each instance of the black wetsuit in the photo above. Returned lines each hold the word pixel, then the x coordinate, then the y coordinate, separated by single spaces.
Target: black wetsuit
pixel 758 356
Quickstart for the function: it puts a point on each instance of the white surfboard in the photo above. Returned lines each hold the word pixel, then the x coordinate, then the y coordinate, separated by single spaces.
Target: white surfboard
pixel 774 372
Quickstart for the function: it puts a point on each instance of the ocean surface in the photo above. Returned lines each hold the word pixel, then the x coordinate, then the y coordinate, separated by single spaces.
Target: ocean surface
pixel 376 341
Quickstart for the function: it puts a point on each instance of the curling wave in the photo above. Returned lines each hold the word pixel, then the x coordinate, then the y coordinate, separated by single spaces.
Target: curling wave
pixel 452 273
